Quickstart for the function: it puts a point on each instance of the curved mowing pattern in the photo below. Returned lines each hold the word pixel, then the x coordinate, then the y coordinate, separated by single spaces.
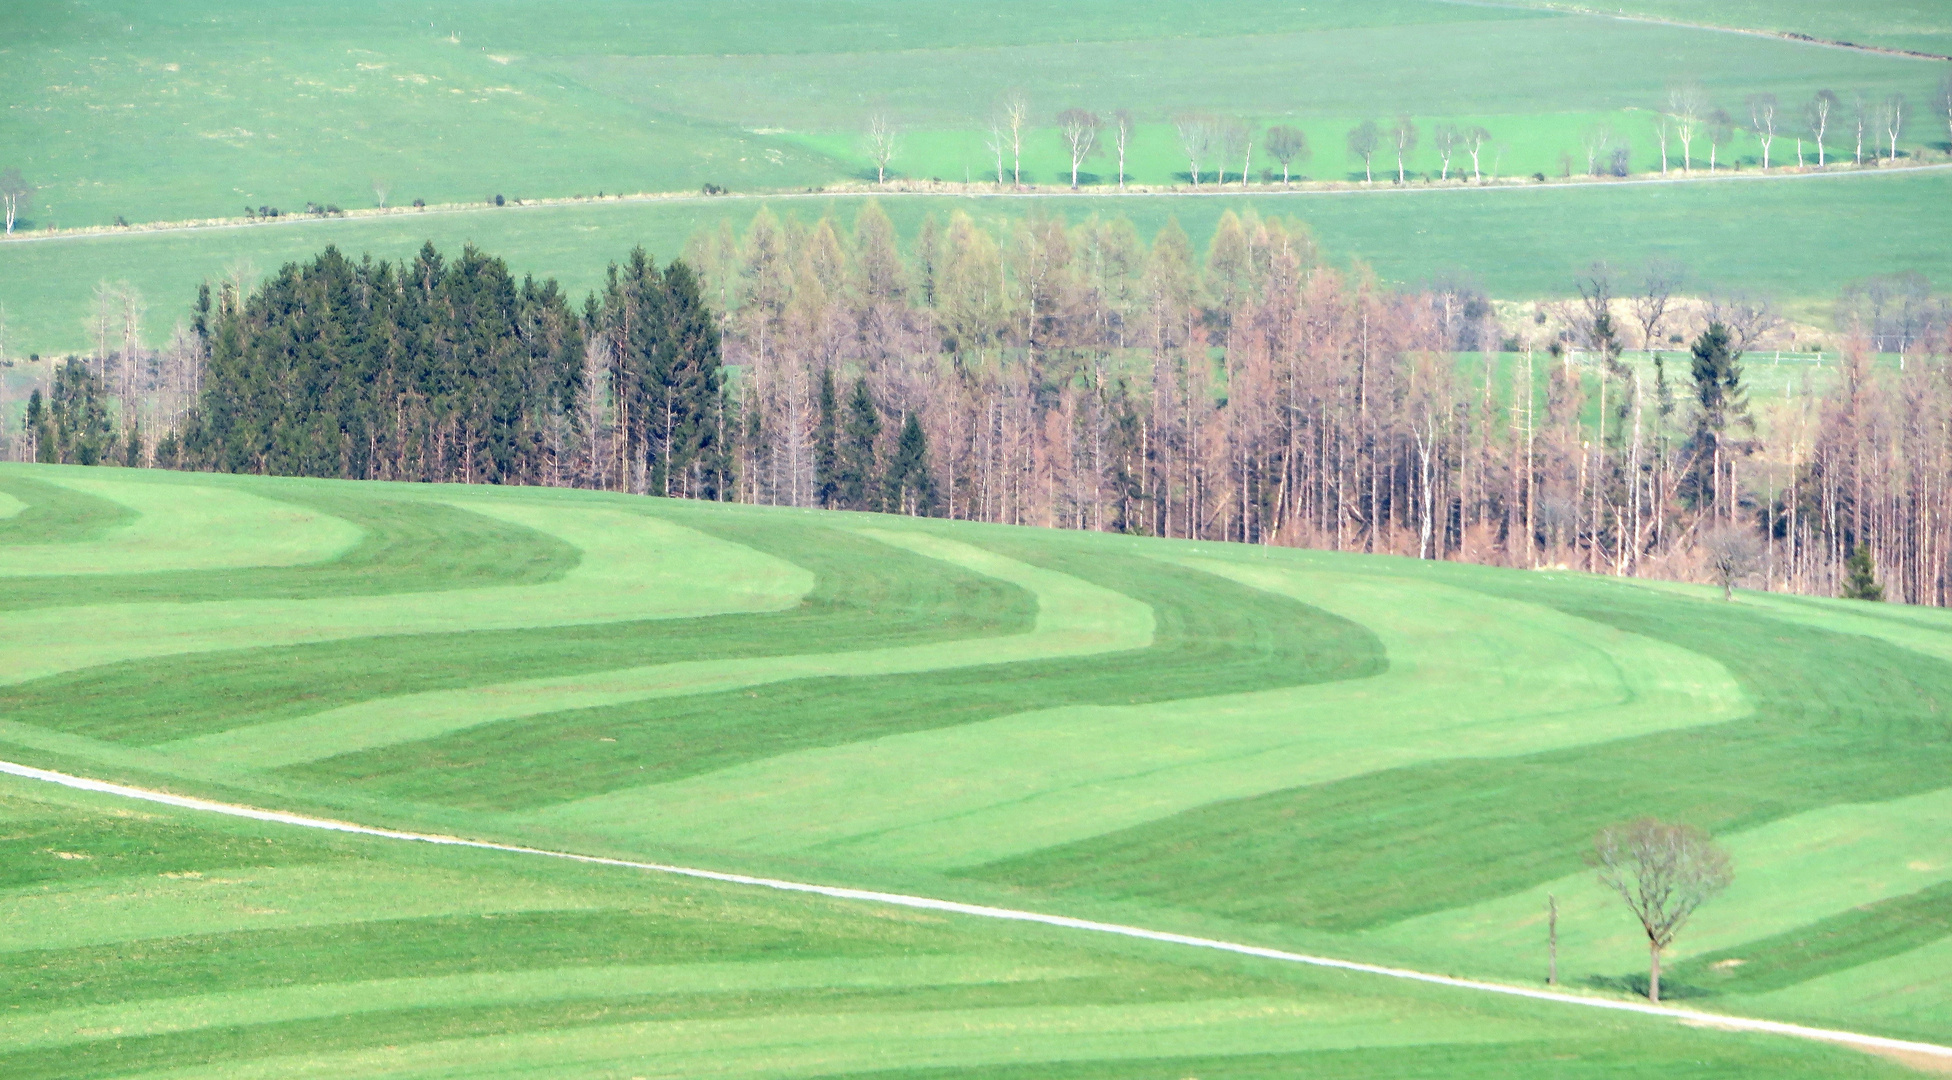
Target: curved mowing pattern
pixel 1378 759
pixel 184 527
pixel 1211 636
pixel 405 546
pixel 45 513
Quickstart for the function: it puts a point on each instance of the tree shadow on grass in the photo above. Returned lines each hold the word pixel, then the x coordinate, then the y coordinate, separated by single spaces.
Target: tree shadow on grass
pixel 1671 989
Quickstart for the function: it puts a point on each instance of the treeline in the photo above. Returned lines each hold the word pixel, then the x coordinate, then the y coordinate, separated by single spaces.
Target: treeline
pixel 1075 375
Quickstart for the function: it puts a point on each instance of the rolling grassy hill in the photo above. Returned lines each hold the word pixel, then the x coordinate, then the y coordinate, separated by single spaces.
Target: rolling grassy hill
pixel 1365 757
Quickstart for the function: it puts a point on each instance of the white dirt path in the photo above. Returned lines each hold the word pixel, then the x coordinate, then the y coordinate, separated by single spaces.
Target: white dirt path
pixel 1930 1056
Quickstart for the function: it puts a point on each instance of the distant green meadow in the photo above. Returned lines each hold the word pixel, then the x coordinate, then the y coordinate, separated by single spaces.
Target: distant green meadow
pixel 1299 749
pixel 1798 239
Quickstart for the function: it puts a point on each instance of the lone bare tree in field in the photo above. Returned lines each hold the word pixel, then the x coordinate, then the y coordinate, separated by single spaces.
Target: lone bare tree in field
pixel 1762 117
pixel 1197 134
pixel 1664 872
pixel 1121 140
pixel 1687 104
pixel 382 187
pixel 1721 128
pixel 1236 139
pixel 1944 103
pixel 1363 140
pixel 1819 110
pixel 15 195
pixel 1287 145
pixel 1732 554
pixel 1404 136
pixel 881 136
pixel 1080 128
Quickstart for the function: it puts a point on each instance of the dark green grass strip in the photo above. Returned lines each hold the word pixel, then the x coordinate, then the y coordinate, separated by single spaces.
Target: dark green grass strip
pixel 409 546
pixel 37 850
pixel 440 945
pixel 338 1034
pixel 866 595
pixel 1839 718
pixel 57 515
pixel 1859 936
pixel 1212 637
pixel 1579 1055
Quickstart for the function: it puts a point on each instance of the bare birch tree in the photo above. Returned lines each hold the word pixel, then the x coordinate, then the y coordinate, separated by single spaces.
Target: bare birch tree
pixel 1015 111
pixel 1363 140
pixel 382 187
pixel 1860 116
pixel 1817 112
pixel 1287 145
pixel 1893 115
pixel 999 138
pixel 1688 105
pixel 1762 119
pixel 1721 128
pixel 880 139
pixel 1663 872
pixel 16 195
pixel 1197 135
pixel 1121 140
pixel 1474 141
pixel 1403 135
pixel 1080 129
pixel 1446 138
pixel 1663 131
pixel 1943 101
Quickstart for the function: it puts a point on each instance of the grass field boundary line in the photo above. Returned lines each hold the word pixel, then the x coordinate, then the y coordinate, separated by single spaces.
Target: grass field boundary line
pixel 1693 1017
pixel 951 191
pixel 1749 31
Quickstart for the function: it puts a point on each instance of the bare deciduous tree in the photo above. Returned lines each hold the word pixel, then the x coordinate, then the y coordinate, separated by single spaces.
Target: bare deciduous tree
pixel 1664 872
pixel 1287 145
pixel 1762 118
pixel 1721 128
pixel 1748 318
pixel 1663 130
pixel 1596 141
pixel 880 140
pixel 1688 105
pixel 1651 301
pixel 999 138
pixel 1446 138
pixel 1943 101
pixel 1122 140
pixel 1197 134
pixel 16 195
pixel 1732 553
pixel 1474 141
pixel 382 187
pixel 1363 140
pixel 1080 128
pixel 1893 115
pixel 1404 135
pixel 1015 110
pixel 1818 114
pixel 1235 141
pixel 1860 115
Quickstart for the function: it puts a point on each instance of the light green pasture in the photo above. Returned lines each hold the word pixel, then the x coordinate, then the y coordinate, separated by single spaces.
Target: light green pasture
pixel 1469 676
pixel 1074 618
pixel 633 567
pixel 1790 872
pixel 185 527
pixel 1905 993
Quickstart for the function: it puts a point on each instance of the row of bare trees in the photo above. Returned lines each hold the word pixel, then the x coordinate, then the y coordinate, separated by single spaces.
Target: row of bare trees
pixel 1214 146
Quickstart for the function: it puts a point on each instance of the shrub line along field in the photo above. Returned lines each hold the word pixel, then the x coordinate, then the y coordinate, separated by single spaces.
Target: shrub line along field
pixel 1721 1021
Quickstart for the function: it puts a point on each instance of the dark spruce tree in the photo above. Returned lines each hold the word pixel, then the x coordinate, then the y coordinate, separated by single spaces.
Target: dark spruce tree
pixel 1722 406
pixel 826 460
pixel 1860 575
pixel 909 487
pixel 858 473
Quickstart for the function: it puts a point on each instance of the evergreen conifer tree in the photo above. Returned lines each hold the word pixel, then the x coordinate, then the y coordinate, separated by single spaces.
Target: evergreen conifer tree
pixel 858 489
pixel 909 486
pixel 1860 581
pixel 826 460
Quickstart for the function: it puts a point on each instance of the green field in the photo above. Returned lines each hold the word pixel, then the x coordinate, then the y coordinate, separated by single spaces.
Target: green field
pixel 1775 236
pixel 1371 758
pixel 1916 25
